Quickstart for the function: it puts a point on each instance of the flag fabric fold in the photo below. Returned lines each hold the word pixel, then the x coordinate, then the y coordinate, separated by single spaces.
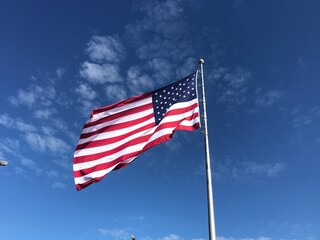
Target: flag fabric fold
pixel 116 134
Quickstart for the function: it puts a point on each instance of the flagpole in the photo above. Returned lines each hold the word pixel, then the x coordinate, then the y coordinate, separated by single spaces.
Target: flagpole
pixel 212 229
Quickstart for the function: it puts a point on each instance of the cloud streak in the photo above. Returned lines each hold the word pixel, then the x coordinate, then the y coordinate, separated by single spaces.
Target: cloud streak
pixel 42 143
pixel 231 86
pixel 17 124
pixel 268 98
pixel 34 96
pixel 100 74
pixel 105 49
pixel 248 170
pixel 115 233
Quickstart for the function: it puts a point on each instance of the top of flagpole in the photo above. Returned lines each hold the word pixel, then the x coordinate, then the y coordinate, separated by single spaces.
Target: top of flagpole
pixel 201 61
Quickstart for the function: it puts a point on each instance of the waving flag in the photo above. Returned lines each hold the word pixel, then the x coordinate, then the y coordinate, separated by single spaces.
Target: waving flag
pixel 115 135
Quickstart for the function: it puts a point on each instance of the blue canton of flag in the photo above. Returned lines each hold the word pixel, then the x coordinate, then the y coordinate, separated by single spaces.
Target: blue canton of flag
pixel 180 91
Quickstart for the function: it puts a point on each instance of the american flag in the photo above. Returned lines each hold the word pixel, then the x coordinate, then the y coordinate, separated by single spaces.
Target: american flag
pixel 115 135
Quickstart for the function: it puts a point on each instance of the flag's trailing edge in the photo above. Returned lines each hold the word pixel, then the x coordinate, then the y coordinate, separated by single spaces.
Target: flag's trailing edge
pixel 115 135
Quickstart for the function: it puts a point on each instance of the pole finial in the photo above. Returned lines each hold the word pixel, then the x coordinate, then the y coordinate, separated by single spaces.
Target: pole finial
pixel 201 61
pixel 3 163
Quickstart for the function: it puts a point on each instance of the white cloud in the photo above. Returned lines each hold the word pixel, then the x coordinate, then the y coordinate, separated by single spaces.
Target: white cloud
pixel 64 162
pixel 178 50
pixel 162 70
pixel 305 118
pixel 18 170
pixel 116 93
pixel 32 165
pixel 225 238
pixel 189 66
pixel 41 143
pixel 36 142
pixel 162 17
pixel 268 98
pixel 59 185
pixel 60 72
pixel 86 97
pixel 138 82
pixel 86 92
pixel 232 238
pixel 100 74
pixel 17 123
pixel 23 97
pixel 247 170
pixel 166 29
pixel 231 86
pixel 10 146
pixel 169 237
pixel 52 174
pixel 105 49
pixel 172 237
pixel 85 106
pixel 268 169
pixel 44 113
pixel 34 96
pixel 115 233
pixel 48 130
pixel 56 145
pixel 301 63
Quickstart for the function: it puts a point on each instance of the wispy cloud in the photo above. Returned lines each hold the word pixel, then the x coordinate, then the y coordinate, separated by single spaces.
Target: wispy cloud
pixel 52 174
pixel 161 17
pixel 16 123
pixel 105 49
pixel 44 113
pixel 268 98
pixel 248 170
pixel 59 185
pixel 106 52
pixel 306 125
pixel 249 238
pixel 85 91
pixel 116 92
pixel 267 169
pixel 305 117
pixel 100 73
pixel 231 86
pixel 187 67
pixel 9 146
pixel 162 70
pixel 301 63
pixel 115 233
pixel 64 162
pixel 162 32
pixel 60 72
pixel 139 82
pixel 171 237
pixel 34 96
pixel 31 165
pixel 42 143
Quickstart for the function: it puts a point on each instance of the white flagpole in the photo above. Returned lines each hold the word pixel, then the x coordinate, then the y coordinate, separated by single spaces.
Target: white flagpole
pixel 212 228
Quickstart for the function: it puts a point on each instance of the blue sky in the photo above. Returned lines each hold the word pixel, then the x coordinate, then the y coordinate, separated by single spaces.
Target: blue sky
pixel 59 60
